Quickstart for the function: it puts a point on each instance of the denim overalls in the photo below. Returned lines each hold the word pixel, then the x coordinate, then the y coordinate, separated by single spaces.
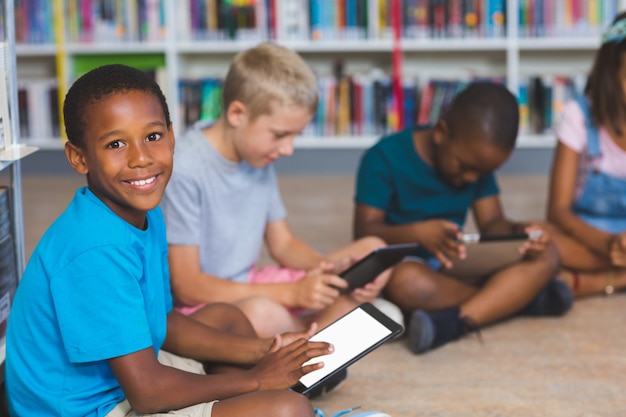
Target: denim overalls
pixel 602 203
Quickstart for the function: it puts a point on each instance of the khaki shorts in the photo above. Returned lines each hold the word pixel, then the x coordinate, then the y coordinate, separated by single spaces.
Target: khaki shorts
pixel 200 410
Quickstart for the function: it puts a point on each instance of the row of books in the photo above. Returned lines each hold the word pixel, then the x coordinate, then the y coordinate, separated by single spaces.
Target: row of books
pixel 145 20
pixel 8 267
pixel 363 104
pixel 38 107
pixel 341 19
pixel 454 18
pixel 34 21
pixel 541 100
pixel 567 17
pixel 350 105
pixel 90 20
pixel 113 20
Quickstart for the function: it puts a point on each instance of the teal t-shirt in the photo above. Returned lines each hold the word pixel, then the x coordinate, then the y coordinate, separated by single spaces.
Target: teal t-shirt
pixel 95 288
pixel 393 177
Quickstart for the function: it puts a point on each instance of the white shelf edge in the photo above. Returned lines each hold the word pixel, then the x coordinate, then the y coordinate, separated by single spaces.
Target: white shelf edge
pixel 327 142
pixel 581 43
pixel 536 141
pixel 454 44
pixel 231 46
pixel 42 50
pixel 3 350
pixel 13 153
pixel 335 142
pixel 116 48
pixel 51 144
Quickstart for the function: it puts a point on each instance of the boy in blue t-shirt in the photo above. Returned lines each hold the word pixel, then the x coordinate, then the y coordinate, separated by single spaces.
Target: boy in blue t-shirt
pixel 94 309
pixel 418 185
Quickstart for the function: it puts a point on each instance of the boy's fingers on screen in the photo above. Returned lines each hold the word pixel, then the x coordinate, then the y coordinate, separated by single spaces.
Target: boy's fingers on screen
pixel 445 261
pixel 306 369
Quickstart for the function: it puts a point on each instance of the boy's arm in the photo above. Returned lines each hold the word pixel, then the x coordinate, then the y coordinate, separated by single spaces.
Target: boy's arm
pixel 370 221
pixel 191 286
pixel 560 197
pixel 439 237
pixel 151 387
pixel 287 249
pixel 489 217
pixel 192 339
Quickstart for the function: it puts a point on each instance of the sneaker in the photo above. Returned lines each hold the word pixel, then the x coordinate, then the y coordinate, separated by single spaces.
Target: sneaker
pixel 320 413
pixel 555 299
pixel 331 384
pixel 429 330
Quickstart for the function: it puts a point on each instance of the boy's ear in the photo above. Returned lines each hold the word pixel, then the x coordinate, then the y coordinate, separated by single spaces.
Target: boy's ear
pixel 76 158
pixel 172 136
pixel 236 113
pixel 440 132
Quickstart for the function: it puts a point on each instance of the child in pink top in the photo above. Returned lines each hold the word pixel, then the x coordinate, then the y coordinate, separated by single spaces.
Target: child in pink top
pixel 587 200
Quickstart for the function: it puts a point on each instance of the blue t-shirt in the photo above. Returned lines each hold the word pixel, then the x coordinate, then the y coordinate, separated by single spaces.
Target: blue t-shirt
pixel 95 288
pixel 393 177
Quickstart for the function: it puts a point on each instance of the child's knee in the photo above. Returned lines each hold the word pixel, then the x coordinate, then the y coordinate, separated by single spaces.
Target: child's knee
pixel 370 243
pixel 409 284
pixel 262 306
pixel 291 404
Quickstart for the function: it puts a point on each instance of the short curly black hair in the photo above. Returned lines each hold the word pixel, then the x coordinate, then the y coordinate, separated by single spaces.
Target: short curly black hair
pixel 488 109
pixel 100 83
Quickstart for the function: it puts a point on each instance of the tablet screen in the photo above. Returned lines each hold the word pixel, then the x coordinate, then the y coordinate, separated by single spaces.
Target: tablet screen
pixel 352 335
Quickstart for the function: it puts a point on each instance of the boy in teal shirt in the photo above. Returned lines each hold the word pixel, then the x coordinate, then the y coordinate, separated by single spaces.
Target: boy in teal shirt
pixel 418 186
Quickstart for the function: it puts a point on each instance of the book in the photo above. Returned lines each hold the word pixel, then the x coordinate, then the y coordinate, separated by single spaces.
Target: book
pixel 454 18
pixel 8 261
pixel 524 107
pixel 39 109
pixel 426 99
pixel 495 18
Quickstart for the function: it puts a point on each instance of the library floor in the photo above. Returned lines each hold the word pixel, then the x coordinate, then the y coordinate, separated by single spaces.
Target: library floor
pixel 570 366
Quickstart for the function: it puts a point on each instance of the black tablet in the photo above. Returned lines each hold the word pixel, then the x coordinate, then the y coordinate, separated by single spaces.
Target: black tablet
pixel 369 267
pixel 354 335
pixel 486 254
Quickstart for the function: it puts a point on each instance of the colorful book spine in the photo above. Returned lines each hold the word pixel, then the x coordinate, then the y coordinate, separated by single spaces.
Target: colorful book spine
pixel 495 18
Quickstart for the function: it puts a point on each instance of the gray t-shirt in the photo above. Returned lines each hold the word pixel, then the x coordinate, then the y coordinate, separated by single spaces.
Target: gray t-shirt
pixel 220 206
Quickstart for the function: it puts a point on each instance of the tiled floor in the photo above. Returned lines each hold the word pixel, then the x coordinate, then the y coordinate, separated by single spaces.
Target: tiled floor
pixel 570 366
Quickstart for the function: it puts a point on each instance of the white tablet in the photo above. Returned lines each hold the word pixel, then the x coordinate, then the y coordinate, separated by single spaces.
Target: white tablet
pixel 353 336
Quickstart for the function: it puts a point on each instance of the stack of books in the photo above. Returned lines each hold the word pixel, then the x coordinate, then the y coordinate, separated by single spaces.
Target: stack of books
pixel 8 270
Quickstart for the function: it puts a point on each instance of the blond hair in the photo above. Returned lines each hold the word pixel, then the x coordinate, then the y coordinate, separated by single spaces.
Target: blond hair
pixel 269 73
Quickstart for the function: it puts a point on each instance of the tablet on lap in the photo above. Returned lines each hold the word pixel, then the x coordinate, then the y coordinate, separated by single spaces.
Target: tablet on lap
pixel 353 336
pixel 486 254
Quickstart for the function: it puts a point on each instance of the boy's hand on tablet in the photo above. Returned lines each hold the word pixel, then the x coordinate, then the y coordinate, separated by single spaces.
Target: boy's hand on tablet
pixel 343 264
pixel 442 238
pixel 282 367
pixel 319 288
pixel 372 289
pixel 290 337
pixel 537 241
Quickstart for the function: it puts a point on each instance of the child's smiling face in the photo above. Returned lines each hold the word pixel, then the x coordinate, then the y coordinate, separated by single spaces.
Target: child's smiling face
pixel 127 153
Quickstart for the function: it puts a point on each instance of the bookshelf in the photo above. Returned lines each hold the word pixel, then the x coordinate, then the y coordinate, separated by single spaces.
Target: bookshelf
pixel 12 151
pixel 555 39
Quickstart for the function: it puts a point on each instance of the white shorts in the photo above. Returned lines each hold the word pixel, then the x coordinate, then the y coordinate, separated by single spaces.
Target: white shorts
pixel 123 409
